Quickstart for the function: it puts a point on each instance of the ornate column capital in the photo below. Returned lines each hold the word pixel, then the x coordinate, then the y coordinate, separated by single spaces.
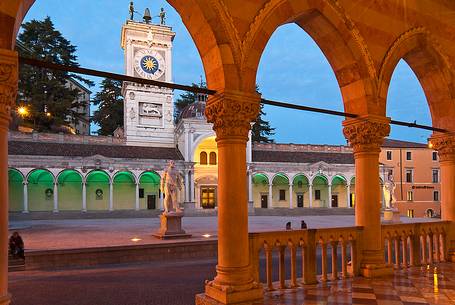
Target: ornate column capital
pixel 445 145
pixel 231 113
pixel 8 82
pixel 366 133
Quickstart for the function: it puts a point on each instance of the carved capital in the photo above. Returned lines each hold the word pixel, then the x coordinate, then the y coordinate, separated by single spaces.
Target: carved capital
pixel 8 82
pixel 445 145
pixel 231 113
pixel 366 134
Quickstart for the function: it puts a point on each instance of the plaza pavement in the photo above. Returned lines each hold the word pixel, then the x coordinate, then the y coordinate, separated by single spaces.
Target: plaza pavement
pixel 85 233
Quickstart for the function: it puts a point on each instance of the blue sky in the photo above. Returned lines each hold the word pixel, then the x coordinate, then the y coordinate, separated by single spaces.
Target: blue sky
pixel 292 69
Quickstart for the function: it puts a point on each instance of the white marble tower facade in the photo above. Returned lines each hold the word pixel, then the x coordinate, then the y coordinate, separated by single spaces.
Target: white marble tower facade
pixel 149 110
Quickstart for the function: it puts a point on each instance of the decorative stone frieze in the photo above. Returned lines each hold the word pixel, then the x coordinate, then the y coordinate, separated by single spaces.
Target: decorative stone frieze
pixel 445 145
pixel 231 114
pixel 366 134
pixel 8 82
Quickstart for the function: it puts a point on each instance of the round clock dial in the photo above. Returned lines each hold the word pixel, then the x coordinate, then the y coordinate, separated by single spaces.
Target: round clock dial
pixel 149 64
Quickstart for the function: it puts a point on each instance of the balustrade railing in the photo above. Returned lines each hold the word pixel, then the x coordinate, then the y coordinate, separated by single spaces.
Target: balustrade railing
pixel 280 253
pixel 414 244
pixel 286 259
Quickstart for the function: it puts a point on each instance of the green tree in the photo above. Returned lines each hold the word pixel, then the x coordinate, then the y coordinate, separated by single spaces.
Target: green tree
pixel 261 130
pixel 50 100
pixel 109 100
pixel 185 99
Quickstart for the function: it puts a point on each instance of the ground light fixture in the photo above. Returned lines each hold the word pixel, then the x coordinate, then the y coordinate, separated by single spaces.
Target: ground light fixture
pixel 136 239
pixel 206 235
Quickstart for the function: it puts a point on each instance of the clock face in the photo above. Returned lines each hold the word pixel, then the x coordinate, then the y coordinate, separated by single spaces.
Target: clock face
pixel 149 64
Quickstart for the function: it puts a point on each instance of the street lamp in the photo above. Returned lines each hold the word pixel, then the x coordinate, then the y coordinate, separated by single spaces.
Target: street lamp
pixel 22 111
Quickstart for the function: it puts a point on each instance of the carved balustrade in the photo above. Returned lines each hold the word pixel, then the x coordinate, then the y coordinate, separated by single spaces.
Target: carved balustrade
pixel 288 250
pixel 415 244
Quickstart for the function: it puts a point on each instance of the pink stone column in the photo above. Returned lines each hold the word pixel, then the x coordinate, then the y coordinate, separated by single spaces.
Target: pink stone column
pixel 231 114
pixel 8 91
pixel 445 145
pixel 366 135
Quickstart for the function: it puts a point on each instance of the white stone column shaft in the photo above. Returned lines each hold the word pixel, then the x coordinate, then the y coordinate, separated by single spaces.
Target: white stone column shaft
pixel 25 203
pixel 250 188
pixel 187 186
pixel 290 197
pixel 111 196
pixel 310 194
pixel 84 197
pixel 270 195
pixel 137 206
pixel 55 197
pixel 161 199
pixel 329 204
pixel 348 195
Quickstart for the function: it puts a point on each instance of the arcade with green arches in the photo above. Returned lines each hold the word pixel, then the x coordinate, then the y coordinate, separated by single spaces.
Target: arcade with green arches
pixel 280 191
pixel 97 184
pixel 16 190
pixel 149 190
pixel 69 190
pixel 124 191
pixel 320 191
pixel 40 190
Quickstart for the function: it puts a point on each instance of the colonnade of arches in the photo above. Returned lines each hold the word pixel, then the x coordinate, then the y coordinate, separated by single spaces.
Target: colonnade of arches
pixel 72 190
pixel 282 190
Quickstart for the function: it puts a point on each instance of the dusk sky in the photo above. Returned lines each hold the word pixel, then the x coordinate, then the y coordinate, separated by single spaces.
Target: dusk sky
pixel 293 69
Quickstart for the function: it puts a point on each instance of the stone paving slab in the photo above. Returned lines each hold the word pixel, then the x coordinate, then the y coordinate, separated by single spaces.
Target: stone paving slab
pixel 83 233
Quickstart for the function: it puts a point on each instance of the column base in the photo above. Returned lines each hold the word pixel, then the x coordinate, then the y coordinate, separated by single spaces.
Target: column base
pixel 5 300
pixel 375 270
pixel 227 295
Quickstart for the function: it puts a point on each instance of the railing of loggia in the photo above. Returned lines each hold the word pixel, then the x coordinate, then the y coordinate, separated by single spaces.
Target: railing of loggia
pixel 312 246
pixel 414 244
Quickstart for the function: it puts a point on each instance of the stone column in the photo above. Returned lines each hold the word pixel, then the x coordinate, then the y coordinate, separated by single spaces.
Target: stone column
pixel 270 195
pixel 231 114
pixel 111 195
pixel 137 205
pixel 250 189
pixel 366 135
pixel 161 199
pixel 329 188
pixel 310 194
pixel 445 145
pixel 55 197
pixel 348 195
pixel 84 196
pixel 187 186
pixel 8 91
pixel 25 210
pixel 290 196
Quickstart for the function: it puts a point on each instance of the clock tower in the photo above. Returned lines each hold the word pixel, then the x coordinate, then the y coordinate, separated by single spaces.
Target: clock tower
pixel 148 110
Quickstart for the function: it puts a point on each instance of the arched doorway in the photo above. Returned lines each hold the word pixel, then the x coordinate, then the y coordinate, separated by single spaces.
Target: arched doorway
pixel 260 190
pixel 320 192
pixel 149 191
pixel 40 190
pixel 69 190
pixel 301 186
pixel 339 192
pixel 97 185
pixel 124 184
pixel 16 190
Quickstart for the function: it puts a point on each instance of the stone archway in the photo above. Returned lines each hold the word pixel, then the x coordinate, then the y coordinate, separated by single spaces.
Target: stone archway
pixel 124 190
pixel 16 190
pixel 69 190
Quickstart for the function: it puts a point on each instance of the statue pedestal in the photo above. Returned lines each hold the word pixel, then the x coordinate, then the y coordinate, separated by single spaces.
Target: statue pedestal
pixel 391 215
pixel 171 226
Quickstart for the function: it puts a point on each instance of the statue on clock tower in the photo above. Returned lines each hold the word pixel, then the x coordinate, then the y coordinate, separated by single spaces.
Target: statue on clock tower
pixel 148 110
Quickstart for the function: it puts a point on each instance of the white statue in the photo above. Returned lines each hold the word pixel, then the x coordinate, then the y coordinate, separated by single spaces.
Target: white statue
pixel 389 192
pixel 169 184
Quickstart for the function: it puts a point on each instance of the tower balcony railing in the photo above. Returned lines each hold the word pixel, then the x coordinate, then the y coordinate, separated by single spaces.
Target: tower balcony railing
pixel 291 258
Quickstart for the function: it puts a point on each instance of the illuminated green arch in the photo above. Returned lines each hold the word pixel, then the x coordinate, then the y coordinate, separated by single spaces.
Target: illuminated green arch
pixel 97 190
pixel 69 190
pixel 260 178
pixel 40 190
pixel 15 190
pixel 280 179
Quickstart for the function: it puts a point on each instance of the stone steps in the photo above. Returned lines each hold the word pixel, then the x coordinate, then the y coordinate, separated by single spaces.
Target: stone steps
pixel 15 264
